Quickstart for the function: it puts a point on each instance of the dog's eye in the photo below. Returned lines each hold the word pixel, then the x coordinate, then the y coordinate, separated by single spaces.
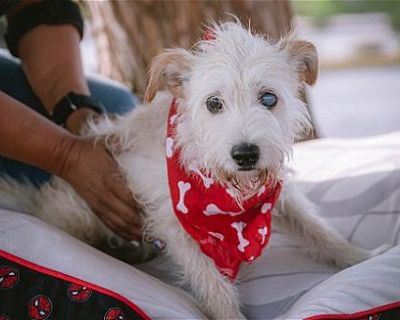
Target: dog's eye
pixel 214 104
pixel 268 99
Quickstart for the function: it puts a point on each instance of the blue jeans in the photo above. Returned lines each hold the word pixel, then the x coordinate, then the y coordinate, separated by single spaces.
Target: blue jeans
pixel 115 97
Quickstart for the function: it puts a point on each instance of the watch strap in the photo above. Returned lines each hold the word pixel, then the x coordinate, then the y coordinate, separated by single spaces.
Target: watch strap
pixel 70 103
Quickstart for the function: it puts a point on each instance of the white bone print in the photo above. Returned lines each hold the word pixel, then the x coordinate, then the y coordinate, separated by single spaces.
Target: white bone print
pixel 172 119
pixel 169 144
pixel 261 191
pixel 206 180
pixel 239 226
pixel 212 210
pixel 263 232
pixel 217 235
pixel 265 207
pixel 183 188
pixel 230 192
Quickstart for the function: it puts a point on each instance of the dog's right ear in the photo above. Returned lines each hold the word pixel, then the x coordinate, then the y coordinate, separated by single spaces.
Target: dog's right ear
pixel 170 66
pixel 304 54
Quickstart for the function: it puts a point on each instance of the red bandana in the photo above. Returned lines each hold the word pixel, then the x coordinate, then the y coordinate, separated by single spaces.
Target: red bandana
pixel 225 231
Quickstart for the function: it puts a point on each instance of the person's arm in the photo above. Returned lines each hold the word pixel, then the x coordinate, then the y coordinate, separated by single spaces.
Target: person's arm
pixel 25 137
pixel 88 168
pixel 51 60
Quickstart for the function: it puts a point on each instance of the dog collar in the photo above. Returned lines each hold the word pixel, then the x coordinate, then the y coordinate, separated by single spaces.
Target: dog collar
pixel 225 231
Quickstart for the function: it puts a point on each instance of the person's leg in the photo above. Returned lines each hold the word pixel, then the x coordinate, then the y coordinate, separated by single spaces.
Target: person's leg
pixel 115 97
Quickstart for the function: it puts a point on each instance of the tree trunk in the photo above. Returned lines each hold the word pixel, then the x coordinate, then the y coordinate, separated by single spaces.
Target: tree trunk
pixel 130 33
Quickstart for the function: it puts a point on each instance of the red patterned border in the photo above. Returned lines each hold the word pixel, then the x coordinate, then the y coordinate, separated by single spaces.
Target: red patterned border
pixel 357 315
pixel 65 277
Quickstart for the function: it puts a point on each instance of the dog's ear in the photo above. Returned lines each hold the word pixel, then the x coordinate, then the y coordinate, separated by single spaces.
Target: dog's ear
pixel 304 55
pixel 170 66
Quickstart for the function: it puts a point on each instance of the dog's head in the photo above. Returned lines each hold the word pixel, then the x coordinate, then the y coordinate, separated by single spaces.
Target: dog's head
pixel 240 110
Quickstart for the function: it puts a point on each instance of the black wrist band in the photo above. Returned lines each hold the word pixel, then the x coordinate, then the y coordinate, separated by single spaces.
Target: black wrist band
pixel 72 102
pixel 50 12
pixel 6 5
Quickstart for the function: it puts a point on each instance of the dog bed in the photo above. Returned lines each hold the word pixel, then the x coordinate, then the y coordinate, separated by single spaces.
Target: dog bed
pixel 356 184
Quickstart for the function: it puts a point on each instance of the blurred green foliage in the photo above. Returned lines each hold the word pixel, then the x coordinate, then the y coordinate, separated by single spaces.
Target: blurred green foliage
pixel 322 9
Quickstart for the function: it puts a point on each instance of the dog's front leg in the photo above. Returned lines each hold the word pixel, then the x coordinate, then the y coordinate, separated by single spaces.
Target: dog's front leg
pixel 217 295
pixel 296 214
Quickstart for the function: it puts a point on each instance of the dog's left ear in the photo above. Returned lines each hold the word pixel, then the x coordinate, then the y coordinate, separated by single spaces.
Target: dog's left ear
pixel 172 67
pixel 304 55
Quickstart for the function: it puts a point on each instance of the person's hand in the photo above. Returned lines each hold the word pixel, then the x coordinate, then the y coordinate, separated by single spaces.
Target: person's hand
pixel 95 176
pixel 77 120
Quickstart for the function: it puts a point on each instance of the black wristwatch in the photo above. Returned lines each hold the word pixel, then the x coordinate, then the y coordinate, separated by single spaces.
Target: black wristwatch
pixel 72 102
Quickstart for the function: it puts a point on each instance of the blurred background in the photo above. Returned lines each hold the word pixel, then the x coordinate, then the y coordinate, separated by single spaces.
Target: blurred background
pixel 358 91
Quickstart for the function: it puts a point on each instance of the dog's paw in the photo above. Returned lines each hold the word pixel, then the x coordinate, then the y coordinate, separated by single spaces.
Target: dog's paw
pixel 353 255
pixel 349 259
pixel 226 313
pixel 233 315
pixel 379 250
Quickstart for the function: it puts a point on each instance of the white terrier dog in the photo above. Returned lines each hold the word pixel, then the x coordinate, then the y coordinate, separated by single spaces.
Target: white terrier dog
pixel 229 121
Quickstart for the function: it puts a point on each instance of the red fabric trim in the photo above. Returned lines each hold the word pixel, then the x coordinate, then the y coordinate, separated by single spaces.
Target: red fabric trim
pixel 63 276
pixel 357 315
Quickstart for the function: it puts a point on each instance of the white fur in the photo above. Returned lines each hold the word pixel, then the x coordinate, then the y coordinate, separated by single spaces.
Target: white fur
pixel 237 66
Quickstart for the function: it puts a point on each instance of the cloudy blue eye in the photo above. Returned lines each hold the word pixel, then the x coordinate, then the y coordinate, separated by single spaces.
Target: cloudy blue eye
pixel 268 99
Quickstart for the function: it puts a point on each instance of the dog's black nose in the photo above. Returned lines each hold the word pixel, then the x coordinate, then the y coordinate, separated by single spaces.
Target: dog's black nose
pixel 245 155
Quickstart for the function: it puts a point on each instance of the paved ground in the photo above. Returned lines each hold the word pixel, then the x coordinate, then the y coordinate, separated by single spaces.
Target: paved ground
pixel 357 102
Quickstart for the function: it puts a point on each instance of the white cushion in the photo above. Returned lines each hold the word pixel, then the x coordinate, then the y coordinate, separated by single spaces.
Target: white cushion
pixel 356 184
pixel 33 240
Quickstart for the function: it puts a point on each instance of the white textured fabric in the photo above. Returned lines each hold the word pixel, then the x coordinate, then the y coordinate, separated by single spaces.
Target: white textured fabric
pixel 356 184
